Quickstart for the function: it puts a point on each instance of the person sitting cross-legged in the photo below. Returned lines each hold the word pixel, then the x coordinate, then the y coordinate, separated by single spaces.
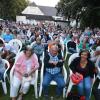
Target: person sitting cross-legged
pixel 53 62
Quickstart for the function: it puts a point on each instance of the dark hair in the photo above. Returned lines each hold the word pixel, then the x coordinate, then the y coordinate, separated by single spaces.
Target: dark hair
pixel 88 53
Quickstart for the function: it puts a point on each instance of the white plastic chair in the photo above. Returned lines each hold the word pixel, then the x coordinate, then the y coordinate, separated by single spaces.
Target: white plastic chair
pixel 17 44
pixel 99 78
pixel 2 40
pixel 33 43
pixel 52 82
pixel 5 75
pixel 72 57
pixel 33 81
pixel 99 72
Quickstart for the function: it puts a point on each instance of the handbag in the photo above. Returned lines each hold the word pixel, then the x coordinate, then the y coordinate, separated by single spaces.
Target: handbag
pixel 76 78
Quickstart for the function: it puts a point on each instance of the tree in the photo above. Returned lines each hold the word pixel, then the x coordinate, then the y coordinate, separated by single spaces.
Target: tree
pixel 10 8
pixel 85 11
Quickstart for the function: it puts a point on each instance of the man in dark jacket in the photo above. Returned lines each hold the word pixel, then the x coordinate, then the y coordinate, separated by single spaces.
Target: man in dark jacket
pixel 53 63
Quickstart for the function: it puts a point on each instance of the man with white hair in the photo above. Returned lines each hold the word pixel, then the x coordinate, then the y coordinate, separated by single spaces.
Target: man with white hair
pixel 53 63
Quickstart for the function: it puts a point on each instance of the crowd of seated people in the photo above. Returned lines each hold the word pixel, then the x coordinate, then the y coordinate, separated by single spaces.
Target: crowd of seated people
pixel 50 40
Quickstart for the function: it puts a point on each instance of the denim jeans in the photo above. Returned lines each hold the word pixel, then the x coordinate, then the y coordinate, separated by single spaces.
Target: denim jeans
pixel 1 76
pixel 84 87
pixel 58 78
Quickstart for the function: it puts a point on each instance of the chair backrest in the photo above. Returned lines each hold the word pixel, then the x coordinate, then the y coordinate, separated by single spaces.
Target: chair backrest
pixel 17 44
pixel 2 40
pixel 66 45
pixel 42 68
pixel 12 69
pixel 33 43
pixel 72 57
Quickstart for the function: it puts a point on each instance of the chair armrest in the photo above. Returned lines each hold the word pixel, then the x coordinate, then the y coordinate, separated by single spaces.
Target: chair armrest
pixel 36 76
pixel 64 73
pixel 8 66
pixel 42 69
pixel 11 73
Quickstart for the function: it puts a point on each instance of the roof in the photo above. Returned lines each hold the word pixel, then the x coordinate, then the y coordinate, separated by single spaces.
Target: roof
pixel 37 12
pixel 33 4
pixel 48 11
pixel 34 9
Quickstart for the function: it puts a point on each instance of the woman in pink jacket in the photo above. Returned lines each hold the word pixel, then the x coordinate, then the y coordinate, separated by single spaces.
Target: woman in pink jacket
pixel 25 66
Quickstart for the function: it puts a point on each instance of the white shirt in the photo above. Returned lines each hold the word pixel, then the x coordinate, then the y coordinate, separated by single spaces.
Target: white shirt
pixel 28 65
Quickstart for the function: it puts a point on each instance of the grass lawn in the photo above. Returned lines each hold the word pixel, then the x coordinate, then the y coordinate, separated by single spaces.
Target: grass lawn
pixel 29 96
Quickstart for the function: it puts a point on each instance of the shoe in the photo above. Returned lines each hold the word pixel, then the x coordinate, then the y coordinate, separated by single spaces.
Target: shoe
pixel 82 98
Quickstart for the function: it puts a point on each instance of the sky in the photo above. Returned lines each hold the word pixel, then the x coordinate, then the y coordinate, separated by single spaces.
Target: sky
pixel 51 3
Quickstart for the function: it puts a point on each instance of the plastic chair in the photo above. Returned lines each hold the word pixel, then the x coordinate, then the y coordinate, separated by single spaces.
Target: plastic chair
pixel 5 75
pixel 33 43
pixel 17 44
pixel 33 81
pixel 52 82
pixel 72 57
pixel 2 40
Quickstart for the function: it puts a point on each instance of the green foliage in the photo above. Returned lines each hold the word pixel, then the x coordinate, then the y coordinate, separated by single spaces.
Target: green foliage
pixel 10 8
pixel 85 11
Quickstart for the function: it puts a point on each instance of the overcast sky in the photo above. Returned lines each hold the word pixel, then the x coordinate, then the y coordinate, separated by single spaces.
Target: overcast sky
pixel 46 2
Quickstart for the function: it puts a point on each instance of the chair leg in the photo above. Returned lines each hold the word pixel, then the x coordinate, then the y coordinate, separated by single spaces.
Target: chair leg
pixel 69 87
pixel 35 89
pixel 64 91
pixel 4 87
pixel 40 92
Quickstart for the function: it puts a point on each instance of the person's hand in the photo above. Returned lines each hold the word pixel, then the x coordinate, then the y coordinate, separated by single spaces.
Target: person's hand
pixel 7 57
pixel 61 60
pixel 51 62
pixel 55 63
pixel 77 73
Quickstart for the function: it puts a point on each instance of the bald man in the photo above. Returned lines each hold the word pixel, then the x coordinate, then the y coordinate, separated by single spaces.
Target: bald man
pixel 53 63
